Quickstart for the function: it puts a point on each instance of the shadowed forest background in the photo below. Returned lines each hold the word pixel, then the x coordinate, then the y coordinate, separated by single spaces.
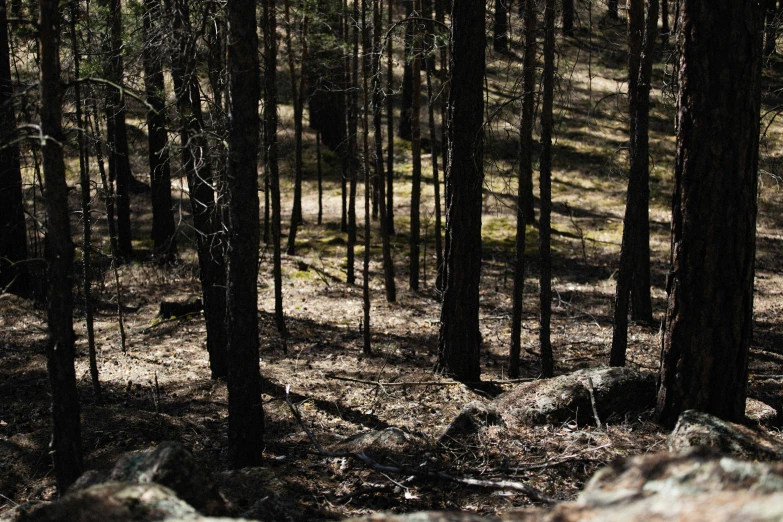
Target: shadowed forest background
pixel 358 386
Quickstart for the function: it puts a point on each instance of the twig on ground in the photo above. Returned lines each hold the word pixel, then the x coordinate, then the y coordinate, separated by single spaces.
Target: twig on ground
pixel 591 389
pixel 530 491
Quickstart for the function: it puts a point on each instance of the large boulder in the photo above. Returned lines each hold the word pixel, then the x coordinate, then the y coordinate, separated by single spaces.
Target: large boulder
pixel 115 502
pixel 473 416
pixel 170 465
pixel 695 429
pixel 617 392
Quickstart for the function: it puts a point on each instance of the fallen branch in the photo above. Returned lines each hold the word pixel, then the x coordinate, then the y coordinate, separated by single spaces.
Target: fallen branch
pixel 422 383
pixel 530 491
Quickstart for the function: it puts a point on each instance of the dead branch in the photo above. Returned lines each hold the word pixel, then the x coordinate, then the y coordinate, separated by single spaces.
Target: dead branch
pixel 530 491
pixel 421 383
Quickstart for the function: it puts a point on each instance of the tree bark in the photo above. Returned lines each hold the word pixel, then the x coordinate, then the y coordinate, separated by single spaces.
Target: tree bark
pixel 163 228
pixel 435 174
pixel 245 411
pixel 13 234
pixel 415 122
pixel 270 154
pixel 366 338
pixel 545 179
pixel 390 126
pixel 704 363
pixel 460 339
pixel 65 447
pixel 525 187
pixel 353 145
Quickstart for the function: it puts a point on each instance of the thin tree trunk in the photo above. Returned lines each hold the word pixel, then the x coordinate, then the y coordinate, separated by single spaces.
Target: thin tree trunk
pixel 298 94
pixel 545 175
pixel 404 130
pixel 65 447
pixel 366 338
pixel 435 175
pixel 163 228
pixel 13 237
pixel 84 185
pixel 353 145
pixel 270 155
pixel 632 281
pixel 119 161
pixel 320 177
pixel 245 410
pixel 459 342
pixel 527 121
pixel 415 137
pixel 388 262
pixel 390 125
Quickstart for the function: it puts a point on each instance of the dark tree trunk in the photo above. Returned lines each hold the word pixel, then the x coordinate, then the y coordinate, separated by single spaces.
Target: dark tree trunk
pixel 245 412
pixel 390 126
pixel 353 145
pixel 525 188
pixel 415 113
pixel 346 148
pixel 459 341
pixel 568 17
pixel 320 217
pixel 404 131
pixel 65 447
pixel 440 16
pixel 366 345
pixel 377 107
pixel 435 174
pixel 545 179
pixel 500 26
pixel 298 94
pixel 704 363
pixel 633 280
pixel 611 10
pixel 664 23
pixel 84 186
pixel 206 214
pixel 119 161
pixel 270 153
pixel 163 228
pixel 13 236
pixel 771 29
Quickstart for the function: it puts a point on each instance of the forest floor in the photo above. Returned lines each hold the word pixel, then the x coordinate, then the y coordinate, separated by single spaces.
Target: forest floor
pixel 159 389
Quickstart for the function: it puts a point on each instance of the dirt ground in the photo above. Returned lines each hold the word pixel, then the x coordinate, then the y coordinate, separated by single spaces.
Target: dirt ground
pixel 323 316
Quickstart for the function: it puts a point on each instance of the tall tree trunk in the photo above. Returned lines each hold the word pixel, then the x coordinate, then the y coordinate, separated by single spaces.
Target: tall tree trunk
pixel 65 447
pixel 353 144
pixel 435 174
pixel 568 17
pixel 633 280
pixel 245 411
pixel 366 338
pixel 298 95
pixel 377 107
pixel 415 112
pixel 440 16
pixel 404 130
pixel 84 185
pixel 525 187
pixel 500 27
pixel 709 321
pixel 390 125
pixel 119 161
pixel 206 214
pixel 163 228
pixel 270 154
pixel 545 179
pixel 459 341
pixel 320 178
pixel 13 236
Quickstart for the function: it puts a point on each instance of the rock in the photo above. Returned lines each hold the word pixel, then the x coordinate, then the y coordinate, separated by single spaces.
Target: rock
pixel 760 412
pixel 473 416
pixel 422 516
pixel 115 501
pixel 701 429
pixel 696 487
pixel 170 465
pixel 617 391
